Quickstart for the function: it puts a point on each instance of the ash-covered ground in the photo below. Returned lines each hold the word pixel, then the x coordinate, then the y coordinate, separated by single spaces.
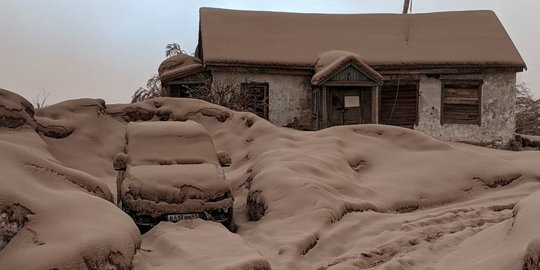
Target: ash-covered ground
pixel 349 197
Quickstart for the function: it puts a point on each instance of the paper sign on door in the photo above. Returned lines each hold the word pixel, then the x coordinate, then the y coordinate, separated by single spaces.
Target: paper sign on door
pixel 352 101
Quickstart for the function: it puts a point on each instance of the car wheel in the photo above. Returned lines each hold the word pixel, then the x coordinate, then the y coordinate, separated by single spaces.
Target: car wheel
pixel 230 224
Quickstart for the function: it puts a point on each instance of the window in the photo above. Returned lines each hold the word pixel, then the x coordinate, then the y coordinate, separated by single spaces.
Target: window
pixel 187 86
pixel 177 90
pixel 257 95
pixel 399 103
pixel 461 102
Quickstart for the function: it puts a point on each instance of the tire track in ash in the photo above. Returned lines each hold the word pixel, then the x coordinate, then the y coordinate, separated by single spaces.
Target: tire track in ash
pixel 376 239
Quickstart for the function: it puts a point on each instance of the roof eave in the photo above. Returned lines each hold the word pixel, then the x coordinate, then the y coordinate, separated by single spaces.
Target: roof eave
pixel 382 68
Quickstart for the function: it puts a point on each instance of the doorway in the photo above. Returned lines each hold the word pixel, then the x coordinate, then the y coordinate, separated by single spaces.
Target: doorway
pixel 349 105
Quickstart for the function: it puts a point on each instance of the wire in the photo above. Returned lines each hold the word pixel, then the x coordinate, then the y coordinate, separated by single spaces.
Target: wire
pixel 395 99
pixel 399 75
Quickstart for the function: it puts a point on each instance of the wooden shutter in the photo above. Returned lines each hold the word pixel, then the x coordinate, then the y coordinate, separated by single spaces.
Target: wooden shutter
pixel 399 103
pixel 461 102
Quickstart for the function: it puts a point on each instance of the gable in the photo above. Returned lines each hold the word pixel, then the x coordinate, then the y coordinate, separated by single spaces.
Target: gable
pixel 349 73
pixel 343 66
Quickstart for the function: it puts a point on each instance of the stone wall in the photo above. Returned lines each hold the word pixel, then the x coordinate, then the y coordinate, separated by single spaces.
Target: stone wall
pixel 290 96
pixel 498 109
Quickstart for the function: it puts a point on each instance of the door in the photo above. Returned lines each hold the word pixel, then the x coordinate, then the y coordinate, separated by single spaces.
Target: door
pixel 349 106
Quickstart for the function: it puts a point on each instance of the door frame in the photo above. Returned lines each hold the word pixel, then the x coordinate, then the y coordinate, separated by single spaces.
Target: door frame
pixel 323 110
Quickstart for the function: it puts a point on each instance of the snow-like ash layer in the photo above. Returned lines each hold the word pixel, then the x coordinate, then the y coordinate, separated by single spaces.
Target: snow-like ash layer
pixel 268 38
pixel 365 196
pixel 196 244
pixel 328 63
pixel 179 66
pixel 176 183
pixel 168 143
pixel 82 136
pixel 511 244
pixel 328 174
pixel 173 167
pixel 186 188
pixel 54 217
pixel 52 123
pixel 15 111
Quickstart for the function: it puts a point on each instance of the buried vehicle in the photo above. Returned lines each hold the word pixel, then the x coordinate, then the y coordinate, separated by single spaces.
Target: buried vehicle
pixel 170 171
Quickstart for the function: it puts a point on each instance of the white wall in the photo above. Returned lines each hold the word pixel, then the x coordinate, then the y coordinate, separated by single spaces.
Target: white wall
pixel 290 96
pixel 498 109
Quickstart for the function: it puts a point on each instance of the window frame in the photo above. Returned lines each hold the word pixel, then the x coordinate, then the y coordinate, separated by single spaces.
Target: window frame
pixel 173 89
pixel 245 86
pixel 397 82
pixel 472 82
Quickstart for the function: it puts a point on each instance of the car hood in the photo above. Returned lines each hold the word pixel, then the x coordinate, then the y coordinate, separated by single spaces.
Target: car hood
pixel 176 183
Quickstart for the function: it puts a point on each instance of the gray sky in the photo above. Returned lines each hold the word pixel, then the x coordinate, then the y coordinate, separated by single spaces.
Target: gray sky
pixel 107 49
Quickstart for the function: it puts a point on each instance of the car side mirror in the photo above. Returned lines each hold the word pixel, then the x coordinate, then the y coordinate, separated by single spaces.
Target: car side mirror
pixel 120 161
pixel 224 159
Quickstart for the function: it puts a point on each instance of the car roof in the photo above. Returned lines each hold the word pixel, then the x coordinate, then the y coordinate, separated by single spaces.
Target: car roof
pixel 169 142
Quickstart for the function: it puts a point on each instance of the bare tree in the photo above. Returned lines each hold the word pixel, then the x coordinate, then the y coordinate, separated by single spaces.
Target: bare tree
pixel 527 111
pixel 229 93
pixel 153 85
pixel 39 101
pixel 173 49
pixel 153 89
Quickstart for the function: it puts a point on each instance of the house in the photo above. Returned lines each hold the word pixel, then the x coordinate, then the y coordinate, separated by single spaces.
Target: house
pixel 449 74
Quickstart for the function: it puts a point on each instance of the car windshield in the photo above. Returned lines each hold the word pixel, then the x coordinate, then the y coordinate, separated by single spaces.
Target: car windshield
pixel 169 143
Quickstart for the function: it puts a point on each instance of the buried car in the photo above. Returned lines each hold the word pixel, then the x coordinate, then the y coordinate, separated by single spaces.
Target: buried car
pixel 170 171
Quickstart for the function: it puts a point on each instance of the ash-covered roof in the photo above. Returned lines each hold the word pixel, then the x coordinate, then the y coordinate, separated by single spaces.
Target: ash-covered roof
pixel 463 38
pixel 178 66
pixel 329 63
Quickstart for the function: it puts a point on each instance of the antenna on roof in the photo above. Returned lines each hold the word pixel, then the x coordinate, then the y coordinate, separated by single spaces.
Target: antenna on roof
pixel 407 6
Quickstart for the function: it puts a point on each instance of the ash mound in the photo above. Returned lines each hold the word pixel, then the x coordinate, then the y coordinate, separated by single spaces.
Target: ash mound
pixel 362 196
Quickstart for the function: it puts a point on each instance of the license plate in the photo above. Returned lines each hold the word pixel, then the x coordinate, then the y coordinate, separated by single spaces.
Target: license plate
pixel 178 217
